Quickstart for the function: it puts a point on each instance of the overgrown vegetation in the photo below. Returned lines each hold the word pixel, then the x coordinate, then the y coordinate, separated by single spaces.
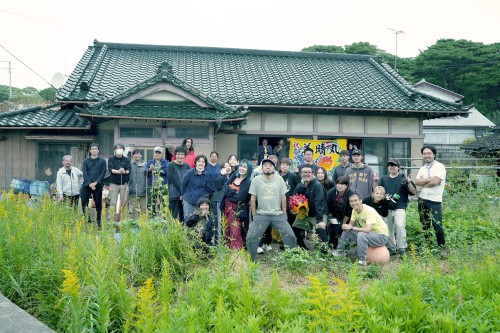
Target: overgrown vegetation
pixel 150 279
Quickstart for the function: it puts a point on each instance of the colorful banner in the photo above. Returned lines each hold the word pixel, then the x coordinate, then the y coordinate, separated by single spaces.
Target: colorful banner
pixel 326 152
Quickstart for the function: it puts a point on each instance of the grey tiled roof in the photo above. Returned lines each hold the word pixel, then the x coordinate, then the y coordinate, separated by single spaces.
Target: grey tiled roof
pixel 48 117
pixel 251 77
pixel 474 120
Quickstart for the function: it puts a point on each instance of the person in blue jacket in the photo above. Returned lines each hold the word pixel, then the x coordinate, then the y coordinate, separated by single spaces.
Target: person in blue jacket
pixel 194 185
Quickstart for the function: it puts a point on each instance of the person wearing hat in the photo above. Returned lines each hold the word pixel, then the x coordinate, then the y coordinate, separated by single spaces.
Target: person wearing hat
pixel 119 167
pixel 398 188
pixel 269 190
pixel 94 171
pixel 156 172
pixel 431 177
pixel 362 179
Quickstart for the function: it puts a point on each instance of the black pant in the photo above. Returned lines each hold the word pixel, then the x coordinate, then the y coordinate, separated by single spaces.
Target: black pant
pixel 85 194
pixel 72 199
pixel 176 209
pixel 334 233
pixel 430 212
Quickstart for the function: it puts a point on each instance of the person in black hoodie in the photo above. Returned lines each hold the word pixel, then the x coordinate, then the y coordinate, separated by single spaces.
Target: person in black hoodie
pixel 175 171
pixel 337 200
pixel 312 189
pixel 94 170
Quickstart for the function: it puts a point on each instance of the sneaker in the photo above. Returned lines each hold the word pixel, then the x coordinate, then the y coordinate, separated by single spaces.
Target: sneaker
pixel 260 250
pixel 268 248
pixel 362 263
pixel 393 252
pixel 336 253
pixel 402 253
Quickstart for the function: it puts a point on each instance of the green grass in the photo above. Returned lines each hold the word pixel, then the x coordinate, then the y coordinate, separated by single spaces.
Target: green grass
pixel 151 279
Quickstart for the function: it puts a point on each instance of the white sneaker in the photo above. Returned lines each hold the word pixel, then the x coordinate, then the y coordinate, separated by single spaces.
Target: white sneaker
pixel 260 250
pixel 336 253
pixel 268 248
pixel 362 263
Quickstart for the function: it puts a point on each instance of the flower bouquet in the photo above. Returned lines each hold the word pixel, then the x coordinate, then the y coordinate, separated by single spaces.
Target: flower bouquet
pixel 299 205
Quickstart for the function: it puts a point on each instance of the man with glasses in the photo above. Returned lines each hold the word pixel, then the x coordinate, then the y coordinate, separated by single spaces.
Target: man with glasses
pixel 312 189
pixel 431 177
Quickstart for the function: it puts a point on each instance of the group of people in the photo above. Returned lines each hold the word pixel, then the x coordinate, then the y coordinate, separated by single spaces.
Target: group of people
pixel 238 203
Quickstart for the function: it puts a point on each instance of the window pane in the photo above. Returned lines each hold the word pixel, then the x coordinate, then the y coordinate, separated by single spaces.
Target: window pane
pixel 375 152
pixel 188 132
pixel 140 132
pixel 247 146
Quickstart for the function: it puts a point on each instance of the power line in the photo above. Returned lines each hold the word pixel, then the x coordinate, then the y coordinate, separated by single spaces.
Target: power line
pixel 47 22
pixel 50 84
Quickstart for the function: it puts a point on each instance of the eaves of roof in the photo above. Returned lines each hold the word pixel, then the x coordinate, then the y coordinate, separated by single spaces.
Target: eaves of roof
pixel 160 112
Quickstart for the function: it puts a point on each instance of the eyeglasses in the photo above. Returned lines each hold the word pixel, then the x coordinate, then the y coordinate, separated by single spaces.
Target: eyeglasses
pixel 305 172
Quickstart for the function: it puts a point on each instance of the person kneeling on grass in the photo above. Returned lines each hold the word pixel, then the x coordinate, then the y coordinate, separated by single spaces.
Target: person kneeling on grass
pixel 366 229
pixel 202 222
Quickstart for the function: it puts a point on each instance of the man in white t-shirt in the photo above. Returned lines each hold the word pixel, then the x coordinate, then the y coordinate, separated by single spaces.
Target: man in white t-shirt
pixel 431 177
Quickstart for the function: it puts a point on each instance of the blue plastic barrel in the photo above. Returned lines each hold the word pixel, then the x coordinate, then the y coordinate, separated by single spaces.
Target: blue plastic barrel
pixel 20 185
pixel 39 187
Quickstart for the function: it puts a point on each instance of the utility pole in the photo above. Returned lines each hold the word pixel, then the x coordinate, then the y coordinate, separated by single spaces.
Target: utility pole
pixel 397 32
pixel 10 79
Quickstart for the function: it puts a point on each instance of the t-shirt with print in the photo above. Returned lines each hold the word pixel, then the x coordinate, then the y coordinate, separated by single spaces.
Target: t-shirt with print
pixel 369 216
pixel 268 194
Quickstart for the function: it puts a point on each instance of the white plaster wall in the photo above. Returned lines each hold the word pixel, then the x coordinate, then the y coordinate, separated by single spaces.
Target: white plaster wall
pixel 302 123
pixel 406 126
pixel 226 144
pixel 329 124
pixel 377 125
pixel 275 122
pixel 353 124
pixel 253 123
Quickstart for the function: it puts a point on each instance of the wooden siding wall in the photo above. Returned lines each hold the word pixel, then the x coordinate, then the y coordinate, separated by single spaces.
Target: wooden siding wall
pixel 18 158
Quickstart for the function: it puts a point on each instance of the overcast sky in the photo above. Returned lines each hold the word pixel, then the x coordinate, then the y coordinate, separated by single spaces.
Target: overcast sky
pixel 50 36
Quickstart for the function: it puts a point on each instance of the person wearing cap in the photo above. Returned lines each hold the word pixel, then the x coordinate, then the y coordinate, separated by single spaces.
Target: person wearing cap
pixel 269 190
pixel 176 171
pixel 119 168
pixel 94 171
pixel 398 188
pixel 137 184
pixel 340 169
pixel 362 179
pixel 156 172
pixel 431 177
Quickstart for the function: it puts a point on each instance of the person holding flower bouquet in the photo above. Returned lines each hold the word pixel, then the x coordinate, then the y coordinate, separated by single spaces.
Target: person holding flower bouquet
pixel 312 189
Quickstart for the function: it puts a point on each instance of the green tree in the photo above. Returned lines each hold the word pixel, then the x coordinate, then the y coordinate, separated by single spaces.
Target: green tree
pixel 29 91
pixel 324 48
pixel 469 68
pixel 4 93
pixel 48 94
